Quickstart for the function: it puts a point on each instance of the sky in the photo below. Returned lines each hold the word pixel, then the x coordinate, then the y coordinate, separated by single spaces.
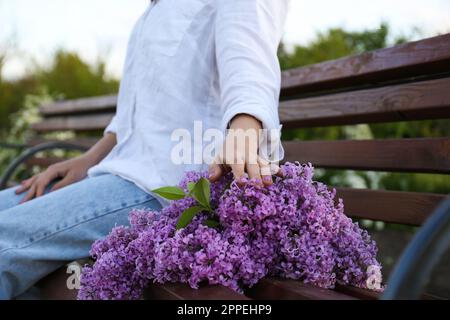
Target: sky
pixel 31 30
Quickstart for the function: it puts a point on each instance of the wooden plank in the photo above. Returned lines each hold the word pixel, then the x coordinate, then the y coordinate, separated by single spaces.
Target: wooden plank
pixel 412 59
pixel 402 155
pixel 75 123
pixel 54 287
pixel 85 142
pixel 42 162
pixel 281 289
pixel 178 291
pixel 84 105
pixel 405 102
pixel 359 293
pixel 365 294
pixel 411 208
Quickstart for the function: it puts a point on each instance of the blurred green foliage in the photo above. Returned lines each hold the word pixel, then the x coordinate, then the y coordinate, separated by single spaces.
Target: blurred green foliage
pixel 73 78
pixel 67 77
pixel 337 43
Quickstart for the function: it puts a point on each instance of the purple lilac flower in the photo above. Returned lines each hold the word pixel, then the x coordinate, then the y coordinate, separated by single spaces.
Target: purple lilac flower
pixel 292 229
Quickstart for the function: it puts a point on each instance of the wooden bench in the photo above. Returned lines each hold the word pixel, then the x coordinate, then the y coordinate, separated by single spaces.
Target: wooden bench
pixel 404 83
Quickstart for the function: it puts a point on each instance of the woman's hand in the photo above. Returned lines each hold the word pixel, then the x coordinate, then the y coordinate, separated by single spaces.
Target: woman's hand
pixel 240 153
pixel 70 171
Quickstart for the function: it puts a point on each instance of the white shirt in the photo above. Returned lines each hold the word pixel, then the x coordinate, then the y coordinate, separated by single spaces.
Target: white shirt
pixel 192 60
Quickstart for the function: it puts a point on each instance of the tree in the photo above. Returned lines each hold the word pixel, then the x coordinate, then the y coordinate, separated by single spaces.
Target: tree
pixel 333 44
pixel 68 77
pixel 72 77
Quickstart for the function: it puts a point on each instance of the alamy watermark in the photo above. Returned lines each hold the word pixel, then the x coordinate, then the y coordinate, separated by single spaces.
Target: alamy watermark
pixel 73 281
pixel 200 146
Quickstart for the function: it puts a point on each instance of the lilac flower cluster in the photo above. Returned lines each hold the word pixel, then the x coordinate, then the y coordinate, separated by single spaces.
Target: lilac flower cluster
pixel 292 229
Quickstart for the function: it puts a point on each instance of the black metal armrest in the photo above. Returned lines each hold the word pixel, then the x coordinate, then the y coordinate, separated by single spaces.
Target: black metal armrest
pixel 30 152
pixel 417 262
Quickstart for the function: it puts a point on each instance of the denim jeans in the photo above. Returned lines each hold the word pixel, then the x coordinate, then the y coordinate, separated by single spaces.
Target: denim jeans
pixel 41 235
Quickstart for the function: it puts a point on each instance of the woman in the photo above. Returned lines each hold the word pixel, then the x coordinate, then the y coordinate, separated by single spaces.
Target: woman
pixel 187 61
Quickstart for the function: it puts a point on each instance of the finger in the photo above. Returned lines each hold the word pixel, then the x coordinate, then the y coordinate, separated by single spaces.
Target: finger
pixel 254 173
pixel 46 178
pixel 61 184
pixel 40 188
pixel 25 185
pixel 214 172
pixel 30 194
pixel 266 173
pixel 276 170
pixel 21 189
pixel 238 172
pixel 29 180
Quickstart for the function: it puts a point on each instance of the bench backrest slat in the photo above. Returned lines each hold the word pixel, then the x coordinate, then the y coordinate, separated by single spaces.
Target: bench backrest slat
pixel 80 106
pixel 421 58
pixel 405 102
pixel 84 122
pixel 430 155
pixel 410 208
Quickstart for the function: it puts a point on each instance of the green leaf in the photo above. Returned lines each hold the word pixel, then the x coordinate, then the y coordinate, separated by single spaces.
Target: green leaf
pixel 202 193
pixel 191 186
pixel 171 193
pixel 187 216
pixel 211 223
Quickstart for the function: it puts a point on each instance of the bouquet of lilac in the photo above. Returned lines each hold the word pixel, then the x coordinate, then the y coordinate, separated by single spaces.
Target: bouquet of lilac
pixel 234 235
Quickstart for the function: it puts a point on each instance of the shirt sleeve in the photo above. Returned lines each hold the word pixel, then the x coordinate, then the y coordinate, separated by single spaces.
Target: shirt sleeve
pixel 112 126
pixel 247 36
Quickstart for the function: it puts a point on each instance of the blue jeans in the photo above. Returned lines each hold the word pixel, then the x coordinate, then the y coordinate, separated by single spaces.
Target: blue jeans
pixel 40 236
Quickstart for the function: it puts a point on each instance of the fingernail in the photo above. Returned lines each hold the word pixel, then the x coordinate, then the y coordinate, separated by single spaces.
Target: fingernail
pixel 267 179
